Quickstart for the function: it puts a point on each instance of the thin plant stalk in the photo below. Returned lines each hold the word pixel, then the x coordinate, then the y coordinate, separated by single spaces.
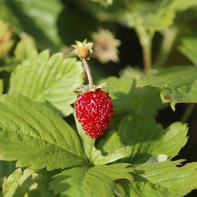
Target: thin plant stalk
pixel 87 69
pixel 145 39
pixel 147 48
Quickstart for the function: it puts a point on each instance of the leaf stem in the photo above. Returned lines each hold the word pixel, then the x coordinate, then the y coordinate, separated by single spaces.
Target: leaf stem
pixel 87 69
pixel 147 48
pixel 188 112
pixel 145 38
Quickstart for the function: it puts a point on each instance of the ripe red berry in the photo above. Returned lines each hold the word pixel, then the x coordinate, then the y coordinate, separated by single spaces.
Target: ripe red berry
pixel 94 110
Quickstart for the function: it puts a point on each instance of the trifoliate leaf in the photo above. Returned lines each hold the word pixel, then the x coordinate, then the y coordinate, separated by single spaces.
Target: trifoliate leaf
pixel 90 181
pixel 163 179
pixel 50 80
pixel 145 139
pixel 25 48
pixel 122 92
pixel 94 155
pixel 188 47
pixel 36 18
pixel 19 183
pixel 178 84
pixel 34 135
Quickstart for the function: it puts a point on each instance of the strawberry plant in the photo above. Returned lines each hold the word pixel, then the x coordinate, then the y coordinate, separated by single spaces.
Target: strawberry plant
pixel 77 120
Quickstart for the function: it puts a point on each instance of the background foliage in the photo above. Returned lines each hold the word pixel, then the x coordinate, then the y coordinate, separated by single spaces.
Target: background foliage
pixel 43 149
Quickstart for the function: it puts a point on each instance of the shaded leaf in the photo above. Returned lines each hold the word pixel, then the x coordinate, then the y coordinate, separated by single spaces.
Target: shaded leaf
pixel 6 168
pixel 155 17
pixel 150 106
pixel 50 80
pixel 149 15
pixel 181 5
pixel 48 141
pixel 178 84
pixel 131 72
pixel 94 155
pixel 25 48
pixel 188 47
pixel 122 92
pixel 145 139
pixel 41 188
pixel 117 12
pixel 1 86
pixel 89 181
pixel 36 18
pixel 104 2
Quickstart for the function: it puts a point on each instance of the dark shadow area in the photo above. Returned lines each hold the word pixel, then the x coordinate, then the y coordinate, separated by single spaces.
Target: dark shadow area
pixel 130 48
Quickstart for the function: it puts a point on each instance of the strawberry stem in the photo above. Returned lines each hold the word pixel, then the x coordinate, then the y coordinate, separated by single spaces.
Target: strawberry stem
pixel 87 69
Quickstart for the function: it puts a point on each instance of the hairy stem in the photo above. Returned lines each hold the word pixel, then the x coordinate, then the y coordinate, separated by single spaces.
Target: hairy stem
pixel 87 69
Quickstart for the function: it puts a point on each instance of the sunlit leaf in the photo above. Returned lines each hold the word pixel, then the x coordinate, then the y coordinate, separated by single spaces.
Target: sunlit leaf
pixel 49 142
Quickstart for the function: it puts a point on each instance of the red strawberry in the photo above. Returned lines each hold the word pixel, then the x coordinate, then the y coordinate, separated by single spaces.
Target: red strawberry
pixel 94 110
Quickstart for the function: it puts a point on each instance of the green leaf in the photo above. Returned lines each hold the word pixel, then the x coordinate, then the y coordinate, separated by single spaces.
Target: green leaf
pixel 7 167
pixel 131 72
pixel 1 86
pixel 182 5
pixel 25 48
pixel 150 106
pixel 18 183
pixel 178 84
pixel 117 12
pixel 50 80
pixel 164 179
pixel 84 181
pixel 48 140
pixel 122 92
pixel 104 2
pixel 155 17
pixel 36 18
pixel 94 155
pixel 188 47
pixel 144 139
pixel 41 188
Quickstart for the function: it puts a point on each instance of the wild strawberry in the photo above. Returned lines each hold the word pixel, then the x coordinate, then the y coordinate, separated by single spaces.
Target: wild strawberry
pixel 94 110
